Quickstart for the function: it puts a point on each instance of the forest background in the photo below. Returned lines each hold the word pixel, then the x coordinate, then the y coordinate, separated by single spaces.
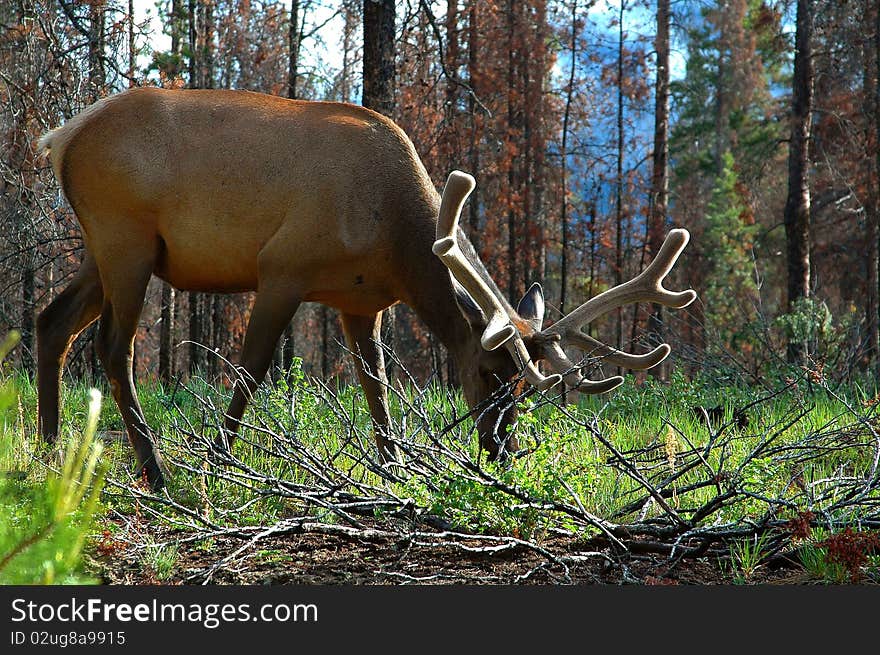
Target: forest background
pixel 591 127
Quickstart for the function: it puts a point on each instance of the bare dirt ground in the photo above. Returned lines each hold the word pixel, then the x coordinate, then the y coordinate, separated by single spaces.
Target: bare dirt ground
pixel 323 559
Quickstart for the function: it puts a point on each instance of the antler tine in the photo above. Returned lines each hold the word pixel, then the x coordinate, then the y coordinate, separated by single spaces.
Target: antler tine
pixel 572 375
pixel 499 331
pixel 645 287
pixel 617 357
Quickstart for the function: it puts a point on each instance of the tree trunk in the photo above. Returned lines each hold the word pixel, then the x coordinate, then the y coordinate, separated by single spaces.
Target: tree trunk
pixel 527 183
pixel 349 31
pixel 168 299
pixel 293 44
pixel 511 163
pixel 166 335
pixel 28 286
pixel 566 117
pixel 192 17
pixel 452 54
pixel 660 171
pixel 541 171
pixel 195 332
pixel 618 207
pixel 132 53
pixel 96 49
pixel 97 81
pixel 379 71
pixel 872 218
pixel 797 205
pixel 474 154
pixel 378 88
pixel 208 44
pixel 288 341
pixel 196 315
pixel 218 334
pixel 177 21
pixel 214 329
pixel 325 341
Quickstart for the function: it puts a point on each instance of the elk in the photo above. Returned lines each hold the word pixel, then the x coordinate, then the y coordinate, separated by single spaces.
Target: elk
pixel 232 191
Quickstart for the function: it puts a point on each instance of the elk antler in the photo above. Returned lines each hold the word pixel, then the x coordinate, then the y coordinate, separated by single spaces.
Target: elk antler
pixel 500 330
pixel 645 287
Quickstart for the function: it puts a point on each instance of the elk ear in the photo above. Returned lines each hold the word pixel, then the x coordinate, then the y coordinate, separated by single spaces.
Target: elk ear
pixel 468 306
pixel 531 307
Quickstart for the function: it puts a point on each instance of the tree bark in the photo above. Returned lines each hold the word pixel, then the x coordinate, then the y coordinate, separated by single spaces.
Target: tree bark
pixel 474 154
pixel 96 49
pixel 28 287
pixel 872 114
pixel 379 70
pixel 132 53
pixel 168 300
pixel 566 118
pixel 349 30
pixel 97 81
pixel 511 163
pixel 208 44
pixel 294 42
pixel 177 21
pixel 166 335
pixel 797 205
pixel 618 199
pixel 660 171
pixel 196 314
pixel 378 89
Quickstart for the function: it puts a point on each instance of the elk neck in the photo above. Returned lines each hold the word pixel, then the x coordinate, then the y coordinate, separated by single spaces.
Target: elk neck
pixel 426 284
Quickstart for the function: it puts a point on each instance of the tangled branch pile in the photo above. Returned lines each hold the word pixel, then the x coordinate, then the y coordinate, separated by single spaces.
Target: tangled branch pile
pixel 698 484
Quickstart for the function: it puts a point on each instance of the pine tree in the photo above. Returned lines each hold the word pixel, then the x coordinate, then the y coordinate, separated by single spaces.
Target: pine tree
pixel 730 289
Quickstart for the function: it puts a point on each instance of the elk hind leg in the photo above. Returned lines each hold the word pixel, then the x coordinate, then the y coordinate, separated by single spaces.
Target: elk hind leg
pixel 72 311
pixel 124 298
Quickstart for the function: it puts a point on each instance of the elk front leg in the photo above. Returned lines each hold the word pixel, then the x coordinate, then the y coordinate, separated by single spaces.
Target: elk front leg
pixel 363 335
pixel 58 325
pixel 271 314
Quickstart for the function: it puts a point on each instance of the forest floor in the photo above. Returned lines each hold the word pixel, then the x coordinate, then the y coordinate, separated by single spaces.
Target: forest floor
pixel 306 559
pixel 638 490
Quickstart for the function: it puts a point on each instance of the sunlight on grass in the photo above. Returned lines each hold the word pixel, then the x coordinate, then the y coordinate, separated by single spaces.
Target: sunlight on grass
pixel 590 454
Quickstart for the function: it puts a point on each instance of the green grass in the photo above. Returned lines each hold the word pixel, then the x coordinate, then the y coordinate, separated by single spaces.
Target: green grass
pixel 801 435
pixel 46 512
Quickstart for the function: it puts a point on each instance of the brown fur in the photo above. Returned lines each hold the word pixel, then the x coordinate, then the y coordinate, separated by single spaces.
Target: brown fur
pixel 226 191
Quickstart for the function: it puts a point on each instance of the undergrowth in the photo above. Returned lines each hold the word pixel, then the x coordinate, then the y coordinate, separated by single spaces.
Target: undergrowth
pixel 782 461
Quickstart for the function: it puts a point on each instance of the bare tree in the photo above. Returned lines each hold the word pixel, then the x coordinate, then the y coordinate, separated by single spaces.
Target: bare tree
pixel 474 154
pixel 660 171
pixel 797 205
pixel 294 42
pixel 566 118
pixel 168 302
pixel 379 69
pixel 205 311
pixel 378 88
pixel 618 192
pixel 872 201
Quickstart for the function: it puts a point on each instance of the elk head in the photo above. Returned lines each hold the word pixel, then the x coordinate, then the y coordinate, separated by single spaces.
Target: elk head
pixel 513 343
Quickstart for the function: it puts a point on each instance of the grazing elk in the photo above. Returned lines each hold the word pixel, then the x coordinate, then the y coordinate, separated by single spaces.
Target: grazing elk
pixel 229 191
